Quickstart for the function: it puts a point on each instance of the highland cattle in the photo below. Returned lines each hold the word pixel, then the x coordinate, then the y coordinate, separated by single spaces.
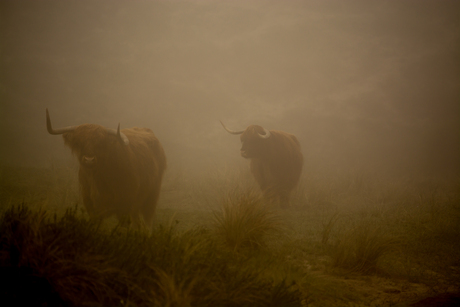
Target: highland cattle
pixel 275 158
pixel 120 170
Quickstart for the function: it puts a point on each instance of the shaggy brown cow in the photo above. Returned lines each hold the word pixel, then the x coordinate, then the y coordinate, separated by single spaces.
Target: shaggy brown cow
pixel 276 160
pixel 120 171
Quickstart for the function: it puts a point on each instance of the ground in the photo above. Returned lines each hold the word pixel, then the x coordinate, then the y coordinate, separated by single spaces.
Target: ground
pixel 353 240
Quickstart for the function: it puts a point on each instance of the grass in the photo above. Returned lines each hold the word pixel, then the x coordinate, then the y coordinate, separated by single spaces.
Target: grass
pixel 245 221
pixel 327 228
pixel 75 261
pixel 360 247
pixel 347 240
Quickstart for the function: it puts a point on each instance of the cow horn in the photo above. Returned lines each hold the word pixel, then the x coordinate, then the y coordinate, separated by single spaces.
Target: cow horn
pixel 56 131
pixel 120 136
pixel 231 131
pixel 266 135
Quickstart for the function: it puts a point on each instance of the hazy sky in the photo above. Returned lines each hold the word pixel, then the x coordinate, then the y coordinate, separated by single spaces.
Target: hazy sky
pixel 372 84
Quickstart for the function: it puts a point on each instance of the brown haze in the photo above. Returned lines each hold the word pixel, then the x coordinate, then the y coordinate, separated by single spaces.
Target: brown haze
pixel 371 85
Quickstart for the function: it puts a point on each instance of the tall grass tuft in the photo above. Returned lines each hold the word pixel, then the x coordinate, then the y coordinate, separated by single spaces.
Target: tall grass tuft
pixel 327 228
pixel 245 221
pixel 359 248
pixel 57 255
pixel 73 261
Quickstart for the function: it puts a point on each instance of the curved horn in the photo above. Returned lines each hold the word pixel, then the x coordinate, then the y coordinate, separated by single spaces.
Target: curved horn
pixel 231 131
pixel 56 131
pixel 266 135
pixel 120 136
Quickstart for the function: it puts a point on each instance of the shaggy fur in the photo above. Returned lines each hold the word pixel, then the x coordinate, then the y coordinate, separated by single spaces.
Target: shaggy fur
pixel 276 162
pixel 118 179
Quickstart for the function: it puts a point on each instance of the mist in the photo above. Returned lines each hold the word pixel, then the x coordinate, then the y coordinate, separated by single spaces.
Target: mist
pixel 364 85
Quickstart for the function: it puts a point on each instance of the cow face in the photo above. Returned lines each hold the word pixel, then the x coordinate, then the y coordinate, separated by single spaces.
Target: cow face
pixel 253 142
pixel 90 143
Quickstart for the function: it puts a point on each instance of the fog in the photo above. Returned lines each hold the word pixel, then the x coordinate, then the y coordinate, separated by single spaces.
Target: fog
pixel 365 85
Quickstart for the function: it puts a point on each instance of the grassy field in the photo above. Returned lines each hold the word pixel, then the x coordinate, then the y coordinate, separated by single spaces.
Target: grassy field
pixel 348 239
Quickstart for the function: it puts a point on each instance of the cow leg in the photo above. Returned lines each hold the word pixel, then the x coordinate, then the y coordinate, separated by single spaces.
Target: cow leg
pixel 85 189
pixel 136 220
pixel 95 206
pixel 284 198
pixel 124 219
pixel 89 206
pixel 260 174
pixel 277 196
pixel 271 196
pixel 149 206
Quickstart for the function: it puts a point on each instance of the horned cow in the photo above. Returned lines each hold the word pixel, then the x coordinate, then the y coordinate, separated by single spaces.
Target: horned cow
pixel 120 171
pixel 276 160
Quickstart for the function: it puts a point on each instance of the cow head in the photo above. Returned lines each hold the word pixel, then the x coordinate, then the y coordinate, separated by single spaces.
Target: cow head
pixel 89 142
pixel 253 140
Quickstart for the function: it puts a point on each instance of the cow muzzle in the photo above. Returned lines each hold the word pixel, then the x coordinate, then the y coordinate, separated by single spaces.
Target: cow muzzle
pixel 88 160
pixel 244 154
